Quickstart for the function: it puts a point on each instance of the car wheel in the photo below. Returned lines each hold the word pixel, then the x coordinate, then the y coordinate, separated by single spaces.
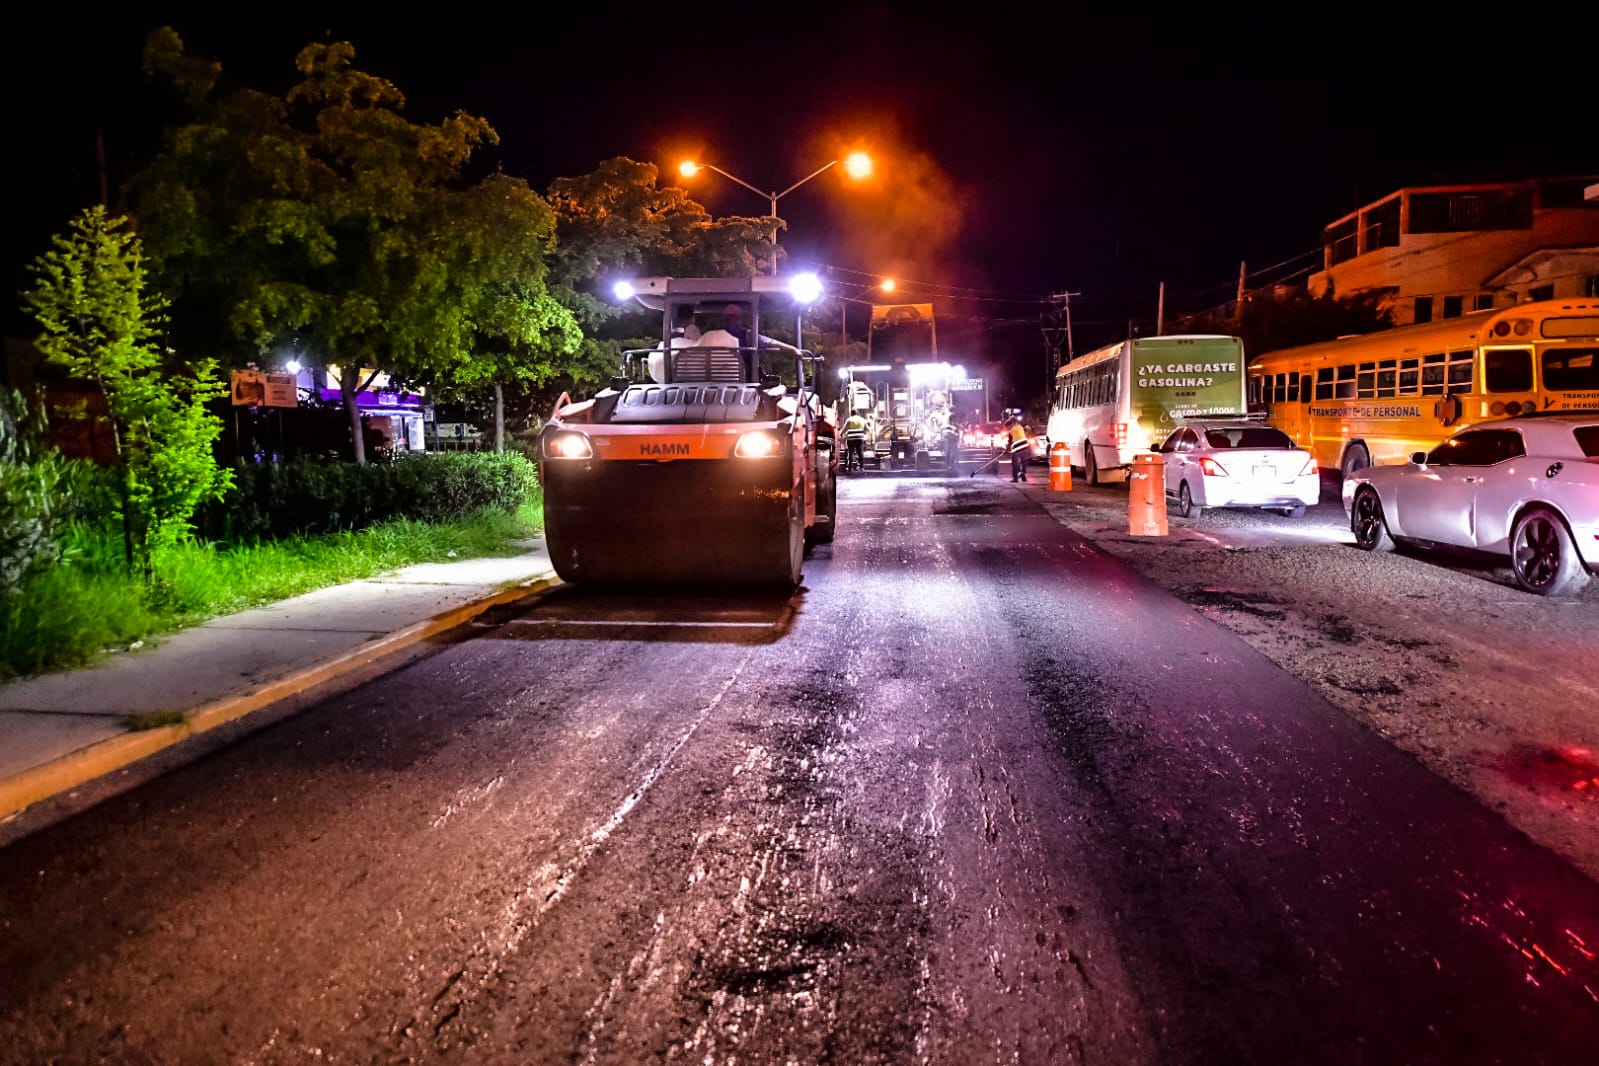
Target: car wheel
pixel 1186 507
pixel 1090 468
pixel 1542 556
pixel 1366 522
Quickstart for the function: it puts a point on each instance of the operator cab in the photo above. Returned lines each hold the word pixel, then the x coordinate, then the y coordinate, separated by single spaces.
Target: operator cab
pixel 714 329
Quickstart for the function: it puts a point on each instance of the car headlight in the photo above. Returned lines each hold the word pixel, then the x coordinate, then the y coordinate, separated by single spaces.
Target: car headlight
pixel 758 444
pixel 568 444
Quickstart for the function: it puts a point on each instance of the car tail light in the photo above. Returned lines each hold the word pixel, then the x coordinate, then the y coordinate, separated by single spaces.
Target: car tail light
pixel 1310 467
pixel 1120 431
pixel 1211 467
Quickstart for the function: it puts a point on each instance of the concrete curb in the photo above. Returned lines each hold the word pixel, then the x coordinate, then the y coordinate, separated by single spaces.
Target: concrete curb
pixel 21 791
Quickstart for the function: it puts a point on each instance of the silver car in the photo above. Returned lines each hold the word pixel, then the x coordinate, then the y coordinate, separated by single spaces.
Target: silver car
pixel 1526 489
pixel 1238 463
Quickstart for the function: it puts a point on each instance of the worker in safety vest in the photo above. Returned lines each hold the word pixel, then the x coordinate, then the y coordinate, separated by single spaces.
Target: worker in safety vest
pixel 1018 449
pixel 855 441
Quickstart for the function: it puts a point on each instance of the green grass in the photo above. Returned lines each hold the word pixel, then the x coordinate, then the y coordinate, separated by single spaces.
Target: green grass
pixel 142 721
pixel 77 610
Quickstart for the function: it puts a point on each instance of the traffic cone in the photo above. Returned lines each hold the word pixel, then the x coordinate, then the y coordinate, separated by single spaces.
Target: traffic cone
pixel 1146 496
pixel 1060 467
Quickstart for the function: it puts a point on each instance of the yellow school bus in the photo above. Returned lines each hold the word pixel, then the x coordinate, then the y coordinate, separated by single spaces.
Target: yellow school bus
pixel 1378 397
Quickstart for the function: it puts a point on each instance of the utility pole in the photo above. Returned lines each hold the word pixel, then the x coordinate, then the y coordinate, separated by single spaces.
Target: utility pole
pixel 1160 311
pixel 1238 306
pixel 1057 330
pixel 99 151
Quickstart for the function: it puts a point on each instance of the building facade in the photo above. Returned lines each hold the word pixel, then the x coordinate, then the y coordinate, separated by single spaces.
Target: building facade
pixel 1446 250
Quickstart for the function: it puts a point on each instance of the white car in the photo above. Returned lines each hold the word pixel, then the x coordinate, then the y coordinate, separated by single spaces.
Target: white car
pixel 1526 489
pixel 1238 463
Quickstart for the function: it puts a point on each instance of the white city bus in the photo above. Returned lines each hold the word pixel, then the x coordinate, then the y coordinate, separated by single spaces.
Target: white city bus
pixel 1124 398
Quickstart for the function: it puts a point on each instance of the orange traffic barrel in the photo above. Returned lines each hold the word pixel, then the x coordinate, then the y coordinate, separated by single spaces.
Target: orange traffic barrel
pixel 1146 496
pixel 1060 467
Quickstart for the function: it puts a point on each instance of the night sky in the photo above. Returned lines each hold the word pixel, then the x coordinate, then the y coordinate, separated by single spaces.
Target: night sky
pixel 1020 154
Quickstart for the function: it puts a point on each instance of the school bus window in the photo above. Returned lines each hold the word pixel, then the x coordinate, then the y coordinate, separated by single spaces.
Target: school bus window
pixel 1433 374
pixel 1345 387
pixel 1459 370
pixel 1570 369
pixel 1507 369
pixel 1387 378
pixel 1366 381
pixel 1409 377
pixel 1293 387
pixel 1324 383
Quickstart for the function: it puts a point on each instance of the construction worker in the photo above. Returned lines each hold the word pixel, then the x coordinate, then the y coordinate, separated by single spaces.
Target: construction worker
pixel 1018 447
pixel 855 441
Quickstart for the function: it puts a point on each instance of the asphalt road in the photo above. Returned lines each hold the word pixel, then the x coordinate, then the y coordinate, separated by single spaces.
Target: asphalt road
pixel 978 793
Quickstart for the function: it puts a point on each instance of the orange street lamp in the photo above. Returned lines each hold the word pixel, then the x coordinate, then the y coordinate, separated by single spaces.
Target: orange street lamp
pixel 886 285
pixel 857 165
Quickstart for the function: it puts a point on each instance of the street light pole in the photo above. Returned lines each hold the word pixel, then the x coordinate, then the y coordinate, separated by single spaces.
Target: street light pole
pixel 857 163
pixel 886 285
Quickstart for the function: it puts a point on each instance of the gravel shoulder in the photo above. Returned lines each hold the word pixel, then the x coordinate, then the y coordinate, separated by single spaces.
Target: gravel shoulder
pixel 1491 688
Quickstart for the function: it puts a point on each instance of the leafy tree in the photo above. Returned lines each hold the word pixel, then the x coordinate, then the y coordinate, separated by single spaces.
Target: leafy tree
pixel 101 323
pixel 1285 316
pixel 325 213
pixel 619 219
pixel 511 329
pixel 33 494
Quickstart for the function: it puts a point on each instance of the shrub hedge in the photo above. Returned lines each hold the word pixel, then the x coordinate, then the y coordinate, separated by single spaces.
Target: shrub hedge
pixel 306 497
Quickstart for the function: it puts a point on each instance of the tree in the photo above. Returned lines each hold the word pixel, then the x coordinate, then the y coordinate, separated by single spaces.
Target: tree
pixel 324 213
pixel 511 328
pixel 619 219
pixel 33 493
pixel 1285 316
pixel 101 323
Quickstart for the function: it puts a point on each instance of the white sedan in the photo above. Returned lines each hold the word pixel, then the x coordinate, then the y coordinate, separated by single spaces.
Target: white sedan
pixel 1526 489
pixel 1238 464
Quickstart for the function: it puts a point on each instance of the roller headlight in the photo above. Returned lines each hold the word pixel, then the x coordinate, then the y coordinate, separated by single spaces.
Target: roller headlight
pixel 758 444
pixel 567 444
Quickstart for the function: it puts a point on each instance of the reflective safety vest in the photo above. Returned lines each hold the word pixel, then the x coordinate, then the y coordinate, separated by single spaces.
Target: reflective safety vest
pixel 855 427
pixel 1018 437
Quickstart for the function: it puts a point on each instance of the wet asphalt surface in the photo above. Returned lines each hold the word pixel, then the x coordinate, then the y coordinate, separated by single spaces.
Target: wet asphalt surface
pixel 977 793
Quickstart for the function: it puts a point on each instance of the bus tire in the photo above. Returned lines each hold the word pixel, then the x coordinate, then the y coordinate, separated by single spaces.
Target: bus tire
pixel 1367 524
pixel 1186 507
pixel 1090 467
pixel 1356 458
pixel 1542 556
